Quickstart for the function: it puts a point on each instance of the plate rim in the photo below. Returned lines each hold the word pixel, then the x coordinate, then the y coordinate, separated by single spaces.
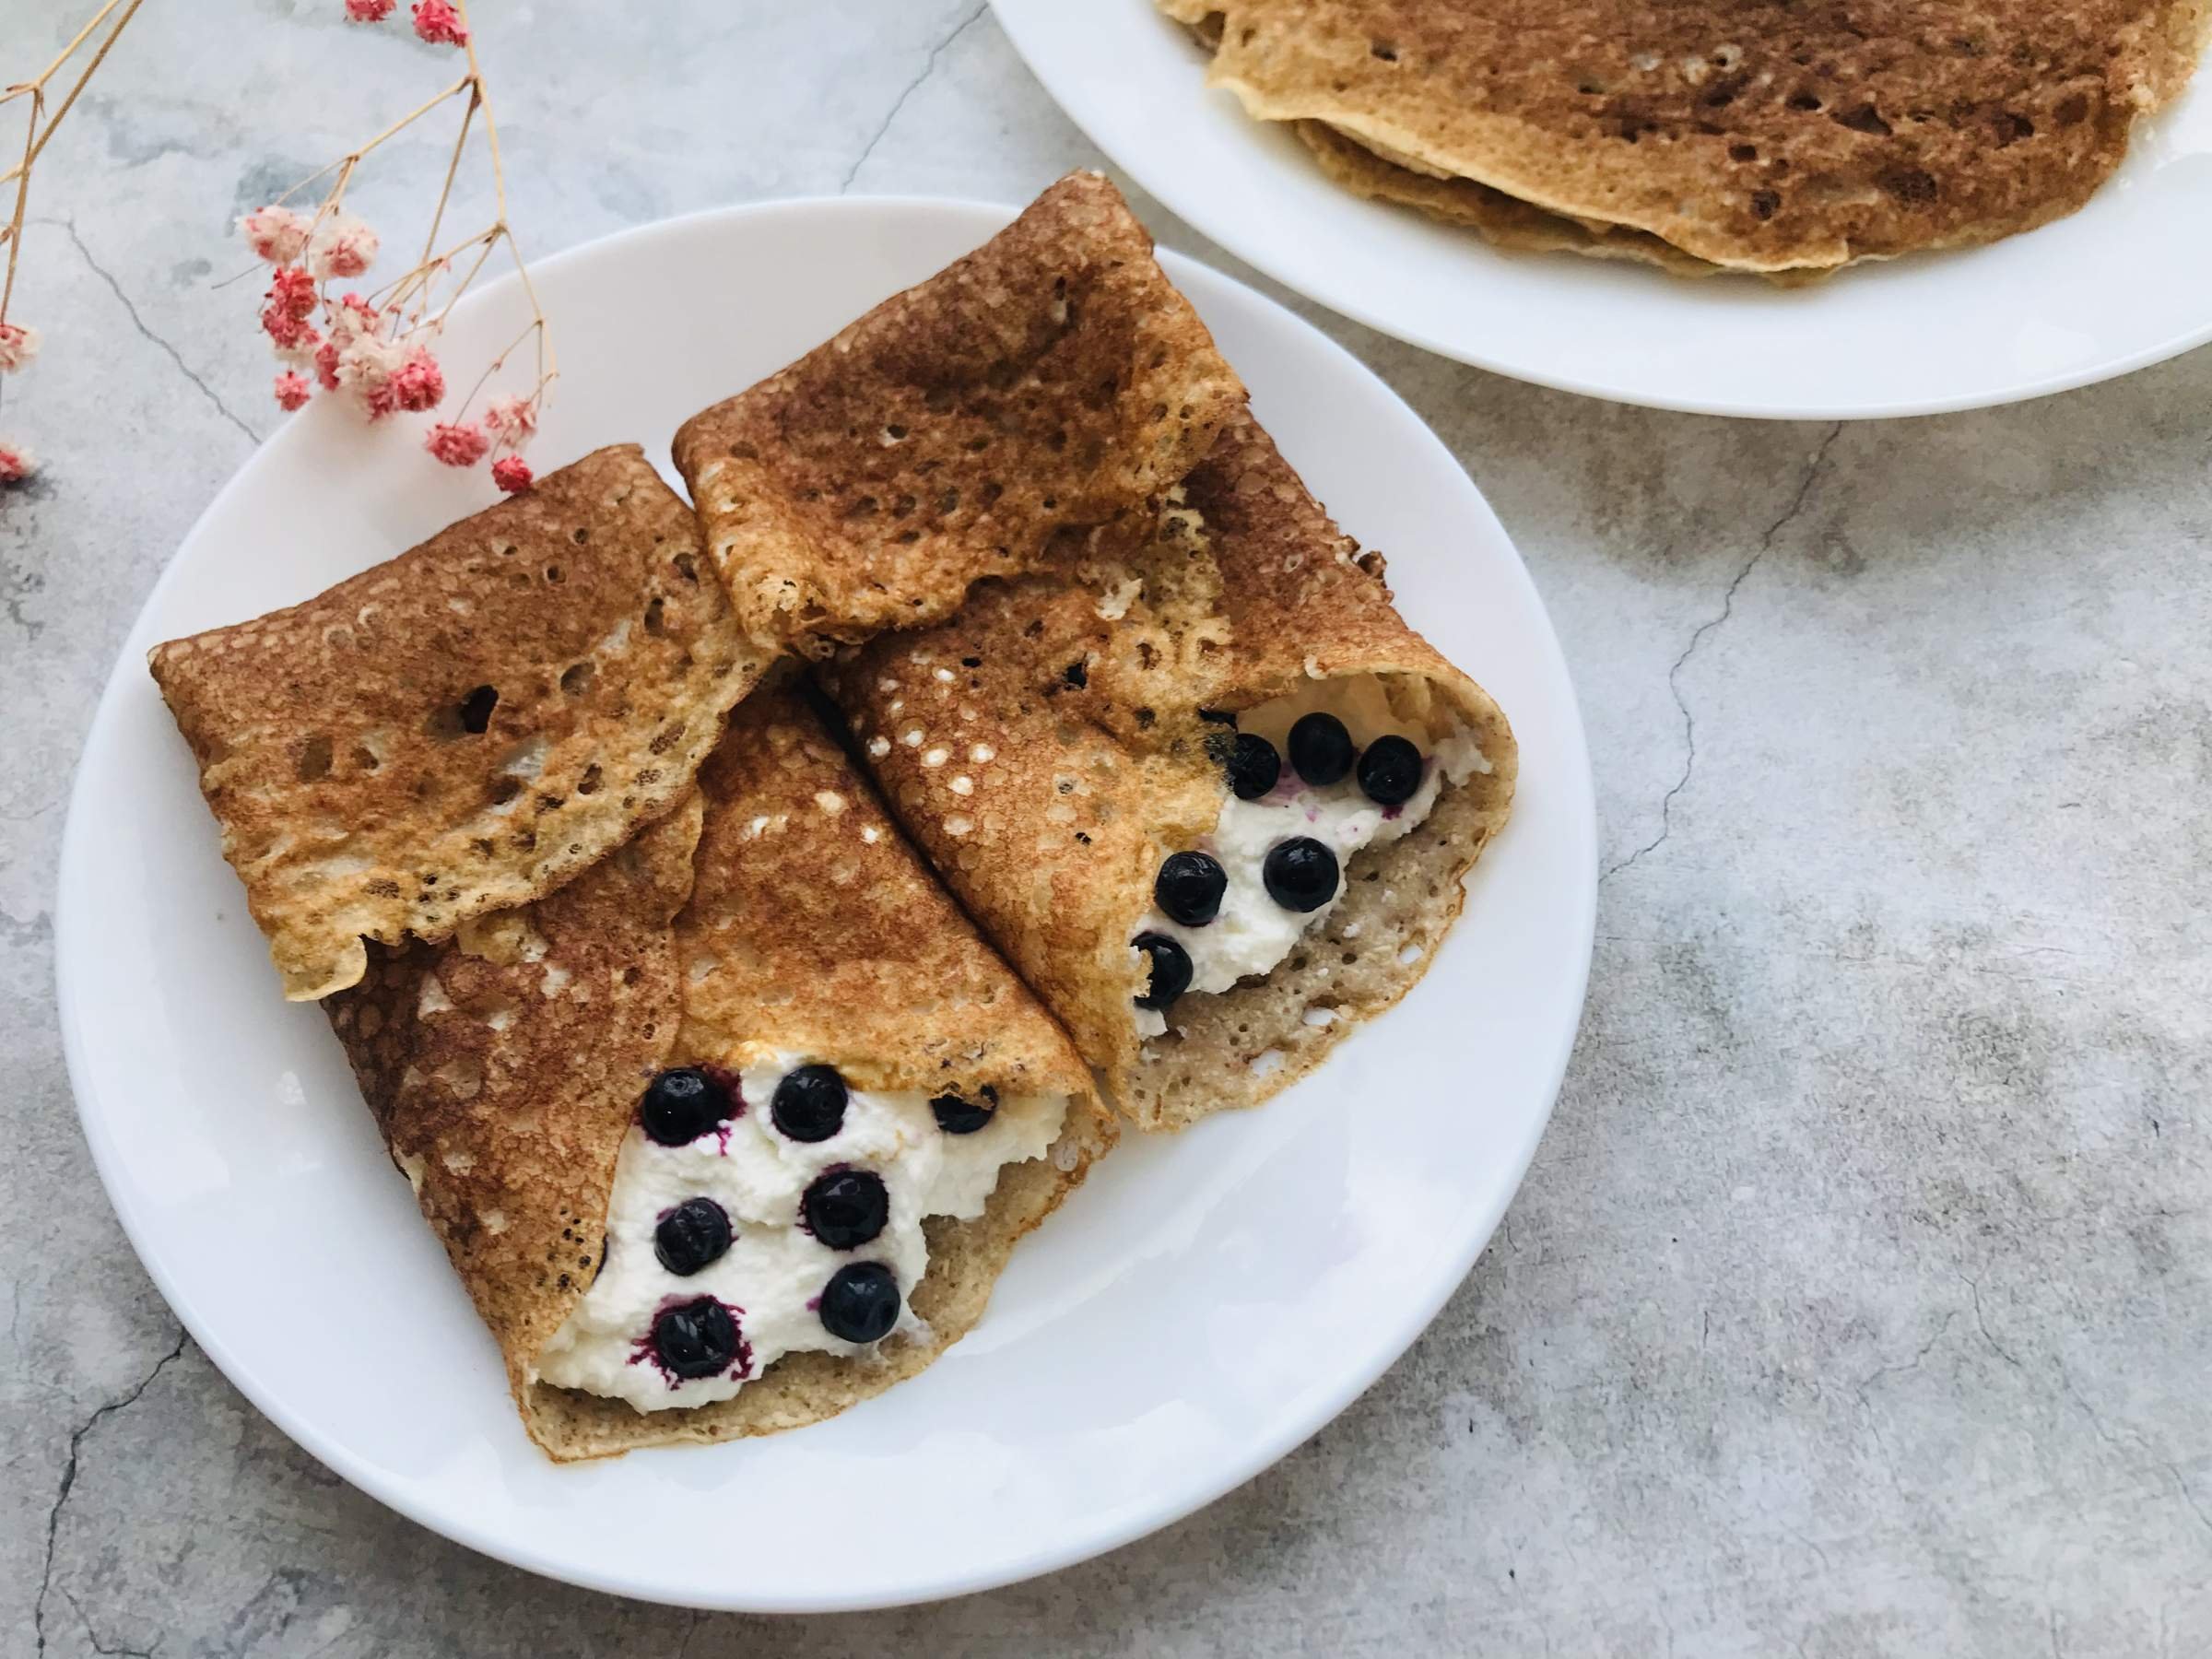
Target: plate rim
pixel 71 945
pixel 1180 194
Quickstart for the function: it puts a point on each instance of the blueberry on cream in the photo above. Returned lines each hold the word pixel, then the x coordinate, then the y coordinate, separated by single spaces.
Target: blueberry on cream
pixel 1170 971
pixel 809 1104
pixel 695 1339
pixel 861 1303
pixel 1190 887
pixel 682 1104
pixel 957 1114
pixel 1315 777
pixel 686 1238
pixel 846 1209
pixel 727 1250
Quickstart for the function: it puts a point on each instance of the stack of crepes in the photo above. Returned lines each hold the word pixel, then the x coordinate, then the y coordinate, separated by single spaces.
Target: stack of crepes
pixel 1767 136
pixel 726 1113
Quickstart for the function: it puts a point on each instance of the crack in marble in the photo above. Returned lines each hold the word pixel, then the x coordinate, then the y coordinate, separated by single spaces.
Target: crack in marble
pixel 929 67
pixel 92 1635
pixel 69 1466
pixel 68 228
pixel 1674 675
pixel 2188 1497
pixel 1982 1320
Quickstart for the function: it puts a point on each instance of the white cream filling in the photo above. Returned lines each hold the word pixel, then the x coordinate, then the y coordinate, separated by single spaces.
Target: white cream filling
pixel 774 1270
pixel 1253 933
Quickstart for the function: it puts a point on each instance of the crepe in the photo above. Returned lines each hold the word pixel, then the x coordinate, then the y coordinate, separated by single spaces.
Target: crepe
pixel 464 727
pixel 1037 393
pixel 1050 745
pixel 1500 219
pixel 1765 137
pixel 777 909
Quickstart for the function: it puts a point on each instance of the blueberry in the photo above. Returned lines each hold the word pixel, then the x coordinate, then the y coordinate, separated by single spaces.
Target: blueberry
pixel 860 1304
pixel 845 1209
pixel 692 1234
pixel 957 1114
pixel 696 1339
pixel 809 1104
pixel 1390 770
pixel 1253 766
pixel 1300 874
pixel 1320 749
pixel 1170 969
pixel 683 1105
pixel 1189 887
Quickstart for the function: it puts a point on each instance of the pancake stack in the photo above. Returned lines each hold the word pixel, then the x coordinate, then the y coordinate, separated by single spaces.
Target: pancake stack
pixel 1782 139
pixel 728 1046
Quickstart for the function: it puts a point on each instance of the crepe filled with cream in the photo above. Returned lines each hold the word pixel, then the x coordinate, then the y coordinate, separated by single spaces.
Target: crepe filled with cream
pixel 1210 793
pixel 1769 138
pixel 464 727
pixel 739 1127
pixel 1041 392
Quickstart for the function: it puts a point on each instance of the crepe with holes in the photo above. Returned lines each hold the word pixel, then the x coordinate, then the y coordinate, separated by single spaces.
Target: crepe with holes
pixel 1039 393
pixel 463 728
pixel 1767 137
pixel 1063 752
pixel 776 919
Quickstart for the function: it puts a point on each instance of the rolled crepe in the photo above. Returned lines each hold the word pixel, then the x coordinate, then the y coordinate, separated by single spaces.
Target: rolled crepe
pixel 1055 742
pixel 776 919
pixel 1042 391
pixel 461 729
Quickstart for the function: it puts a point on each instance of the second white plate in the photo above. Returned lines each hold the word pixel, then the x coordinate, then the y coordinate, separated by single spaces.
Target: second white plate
pixel 1199 1307
pixel 2115 286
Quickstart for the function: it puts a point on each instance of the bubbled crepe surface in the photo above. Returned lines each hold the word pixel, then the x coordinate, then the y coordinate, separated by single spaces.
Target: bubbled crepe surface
pixel 1763 135
pixel 353 803
pixel 523 1118
pixel 1049 384
pixel 1098 765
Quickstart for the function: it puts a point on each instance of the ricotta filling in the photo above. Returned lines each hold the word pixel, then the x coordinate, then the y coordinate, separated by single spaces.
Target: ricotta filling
pixel 772 1275
pixel 1253 933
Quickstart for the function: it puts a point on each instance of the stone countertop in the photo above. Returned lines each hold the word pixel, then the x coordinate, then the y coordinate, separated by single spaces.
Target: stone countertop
pixel 1857 1302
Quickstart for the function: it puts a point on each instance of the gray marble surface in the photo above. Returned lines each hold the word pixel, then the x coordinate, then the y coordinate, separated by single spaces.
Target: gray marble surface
pixel 1858 1301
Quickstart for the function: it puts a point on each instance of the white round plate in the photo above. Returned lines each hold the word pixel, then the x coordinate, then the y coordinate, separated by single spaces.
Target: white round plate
pixel 1198 1308
pixel 2114 288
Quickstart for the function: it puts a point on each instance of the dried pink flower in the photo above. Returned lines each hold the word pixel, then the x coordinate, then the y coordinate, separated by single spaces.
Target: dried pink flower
pixel 291 391
pixel 299 345
pixel 419 384
pixel 512 473
pixel 511 420
pixel 341 246
pixel 274 233
pixel 16 463
pixel 457 443
pixel 365 367
pixel 19 345
pixel 291 300
pixel 437 22
pixel 326 366
pixel 368 11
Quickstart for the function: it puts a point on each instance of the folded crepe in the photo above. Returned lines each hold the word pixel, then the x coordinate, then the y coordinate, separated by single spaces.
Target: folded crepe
pixel 1764 136
pixel 736 1129
pixel 1042 390
pixel 1213 797
pixel 461 729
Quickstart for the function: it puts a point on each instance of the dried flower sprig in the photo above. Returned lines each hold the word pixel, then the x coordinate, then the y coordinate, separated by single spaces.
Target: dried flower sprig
pixel 377 348
pixel 18 342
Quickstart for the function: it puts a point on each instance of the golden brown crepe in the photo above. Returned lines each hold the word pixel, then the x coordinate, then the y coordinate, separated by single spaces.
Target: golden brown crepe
pixel 1048 747
pixel 1045 389
pixel 777 909
pixel 466 727
pixel 1762 136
